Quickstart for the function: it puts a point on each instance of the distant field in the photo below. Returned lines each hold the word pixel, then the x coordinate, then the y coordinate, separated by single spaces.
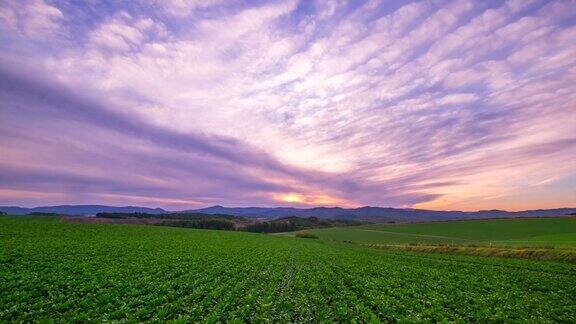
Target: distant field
pixel 51 269
pixel 560 232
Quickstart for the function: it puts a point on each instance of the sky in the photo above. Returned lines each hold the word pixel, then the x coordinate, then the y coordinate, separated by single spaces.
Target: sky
pixel 189 103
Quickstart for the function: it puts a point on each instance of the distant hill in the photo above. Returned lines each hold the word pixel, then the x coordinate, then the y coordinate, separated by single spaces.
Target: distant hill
pixel 80 210
pixel 371 214
pixel 380 214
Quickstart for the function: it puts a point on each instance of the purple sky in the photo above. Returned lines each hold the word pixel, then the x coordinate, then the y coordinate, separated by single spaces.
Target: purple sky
pixel 183 104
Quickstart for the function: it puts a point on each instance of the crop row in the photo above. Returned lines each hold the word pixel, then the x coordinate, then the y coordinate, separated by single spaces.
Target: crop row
pixel 62 271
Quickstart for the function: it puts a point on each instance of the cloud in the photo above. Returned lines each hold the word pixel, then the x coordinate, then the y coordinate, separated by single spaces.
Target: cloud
pixel 372 103
pixel 458 99
pixel 210 161
pixel 33 18
pixel 182 8
pixel 123 33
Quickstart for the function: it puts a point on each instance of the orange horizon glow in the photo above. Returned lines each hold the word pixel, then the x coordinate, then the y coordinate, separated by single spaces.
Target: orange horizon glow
pixel 311 200
pixel 292 199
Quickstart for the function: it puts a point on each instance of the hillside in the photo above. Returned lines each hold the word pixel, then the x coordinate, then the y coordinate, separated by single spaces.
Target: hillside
pixel 367 214
pixel 80 210
pixel 382 214
pixel 528 231
pixel 525 238
pixel 68 272
pixel 211 221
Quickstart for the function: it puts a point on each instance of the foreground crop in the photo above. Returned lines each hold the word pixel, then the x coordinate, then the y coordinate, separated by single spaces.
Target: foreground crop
pixel 55 270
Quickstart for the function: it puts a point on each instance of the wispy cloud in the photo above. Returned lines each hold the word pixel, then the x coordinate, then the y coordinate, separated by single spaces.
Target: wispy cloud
pixel 35 19
pixel 332 102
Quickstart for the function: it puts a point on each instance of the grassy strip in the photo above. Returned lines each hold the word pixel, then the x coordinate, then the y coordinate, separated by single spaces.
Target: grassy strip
pixel 533 253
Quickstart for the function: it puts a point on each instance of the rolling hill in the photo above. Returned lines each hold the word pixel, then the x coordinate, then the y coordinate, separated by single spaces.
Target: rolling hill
pixel 509 232
pixel 370 214
pixel 381 214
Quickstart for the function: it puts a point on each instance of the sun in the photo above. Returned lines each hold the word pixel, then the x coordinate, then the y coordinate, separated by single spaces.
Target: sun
pixel 307 199
pixel 292 198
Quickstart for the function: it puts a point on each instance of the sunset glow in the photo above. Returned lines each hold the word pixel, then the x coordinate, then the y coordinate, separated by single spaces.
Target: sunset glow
pixel 185 104
pixel 311 200
pixel 292 198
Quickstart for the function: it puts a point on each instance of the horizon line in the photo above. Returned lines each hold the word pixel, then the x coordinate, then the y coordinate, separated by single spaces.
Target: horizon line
pixel 293 207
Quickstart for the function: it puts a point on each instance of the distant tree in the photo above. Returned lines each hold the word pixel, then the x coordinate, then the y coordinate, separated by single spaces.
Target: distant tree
pixel 271 227
pixel 125 215
pixel 191 216
pixel 293 223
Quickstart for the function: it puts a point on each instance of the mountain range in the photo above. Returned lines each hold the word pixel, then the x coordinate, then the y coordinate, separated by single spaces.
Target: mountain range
pixel 80 210
pixel 373 214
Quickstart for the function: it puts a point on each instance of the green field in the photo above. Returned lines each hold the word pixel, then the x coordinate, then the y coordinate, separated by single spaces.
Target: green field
pixel 560 232
pixel 50 269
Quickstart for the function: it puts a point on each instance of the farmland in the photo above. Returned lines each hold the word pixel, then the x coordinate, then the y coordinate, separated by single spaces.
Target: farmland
pixel 551 239
pixel 51 269
pixel 524 231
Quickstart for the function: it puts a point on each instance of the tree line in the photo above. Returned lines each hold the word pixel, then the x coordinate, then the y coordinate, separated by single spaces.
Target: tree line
pixel 231 222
